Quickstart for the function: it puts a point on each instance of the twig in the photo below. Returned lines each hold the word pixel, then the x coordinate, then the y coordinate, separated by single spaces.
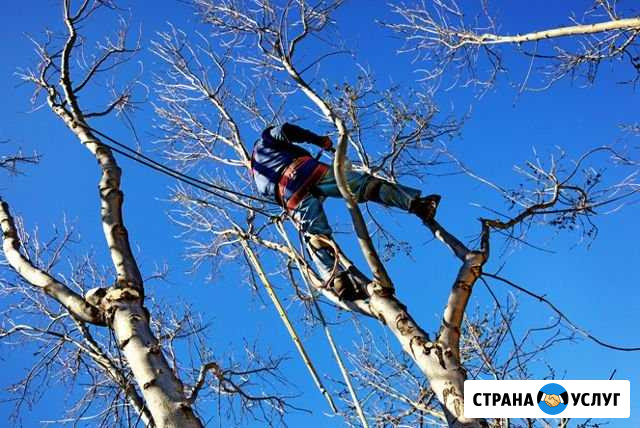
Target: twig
pixel 562 315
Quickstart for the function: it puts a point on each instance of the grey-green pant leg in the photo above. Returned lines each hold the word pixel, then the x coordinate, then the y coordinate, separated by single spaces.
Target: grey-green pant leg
pixel 390 194
pixel 313 221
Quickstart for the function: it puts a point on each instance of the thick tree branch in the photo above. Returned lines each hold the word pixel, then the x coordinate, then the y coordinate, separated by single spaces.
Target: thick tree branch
pixel 627 24
pixel 454 45
pixel 72 302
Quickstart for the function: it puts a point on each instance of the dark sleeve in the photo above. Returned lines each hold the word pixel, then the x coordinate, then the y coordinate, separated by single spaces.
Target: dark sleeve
pixel 295 134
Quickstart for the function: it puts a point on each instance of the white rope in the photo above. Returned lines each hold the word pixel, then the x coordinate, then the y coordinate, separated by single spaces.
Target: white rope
pixel 327 331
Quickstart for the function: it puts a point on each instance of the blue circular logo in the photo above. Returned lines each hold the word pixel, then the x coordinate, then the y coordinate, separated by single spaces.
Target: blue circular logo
pixel 552 399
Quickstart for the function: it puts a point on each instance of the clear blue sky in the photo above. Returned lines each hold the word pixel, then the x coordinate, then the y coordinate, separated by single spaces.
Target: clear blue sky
pixel 596 286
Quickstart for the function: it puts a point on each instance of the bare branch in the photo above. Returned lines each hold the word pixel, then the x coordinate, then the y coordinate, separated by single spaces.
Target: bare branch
pixel 440 33
pixel 72 302
pixel 562 315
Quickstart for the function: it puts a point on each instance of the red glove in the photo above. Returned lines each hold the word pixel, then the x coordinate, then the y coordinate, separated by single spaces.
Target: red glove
pixel 325 143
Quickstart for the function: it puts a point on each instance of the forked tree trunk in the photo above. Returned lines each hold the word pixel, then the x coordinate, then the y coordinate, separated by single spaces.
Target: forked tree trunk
pixel 162 391
pixel 437 361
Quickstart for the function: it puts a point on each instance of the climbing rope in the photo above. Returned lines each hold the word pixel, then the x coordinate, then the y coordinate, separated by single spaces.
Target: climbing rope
pixel 210 188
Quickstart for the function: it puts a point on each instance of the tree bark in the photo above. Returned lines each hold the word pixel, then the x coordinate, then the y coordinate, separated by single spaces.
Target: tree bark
pixel 123 304
pixel 437 361
pixel 71 301
pixel 632 24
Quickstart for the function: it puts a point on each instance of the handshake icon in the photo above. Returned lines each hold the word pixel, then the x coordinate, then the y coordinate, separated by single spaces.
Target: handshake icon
pixel 552 400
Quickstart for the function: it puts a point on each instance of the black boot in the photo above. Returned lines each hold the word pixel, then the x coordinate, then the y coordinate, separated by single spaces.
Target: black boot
pixel 425 207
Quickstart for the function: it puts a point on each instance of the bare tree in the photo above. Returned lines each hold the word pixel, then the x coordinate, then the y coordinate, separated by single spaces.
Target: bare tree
pixel 456 40
pixel 118 307
pixel 211 86
pixel 241 73
pixel 85 325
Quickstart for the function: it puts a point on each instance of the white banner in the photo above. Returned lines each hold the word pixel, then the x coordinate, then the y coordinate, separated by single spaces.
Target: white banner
pixel 547 398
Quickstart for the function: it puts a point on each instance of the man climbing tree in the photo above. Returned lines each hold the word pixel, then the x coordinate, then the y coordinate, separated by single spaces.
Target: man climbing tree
pixel 299 182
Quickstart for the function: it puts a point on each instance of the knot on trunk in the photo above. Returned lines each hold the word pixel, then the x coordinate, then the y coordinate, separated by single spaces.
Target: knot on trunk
pixel 108 299
pixel 374 288
pixel 476 259
pixel 404 324
pixel 94 296
pixel 462 284
pixel 120 294
pixel 457 405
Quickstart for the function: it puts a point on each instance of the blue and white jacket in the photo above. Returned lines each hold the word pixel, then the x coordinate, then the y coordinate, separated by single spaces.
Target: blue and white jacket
pixel 283 170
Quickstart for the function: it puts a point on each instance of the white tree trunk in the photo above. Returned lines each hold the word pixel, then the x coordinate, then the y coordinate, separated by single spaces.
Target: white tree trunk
pixel 437 361
pixel 161 389
pixel 122 304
